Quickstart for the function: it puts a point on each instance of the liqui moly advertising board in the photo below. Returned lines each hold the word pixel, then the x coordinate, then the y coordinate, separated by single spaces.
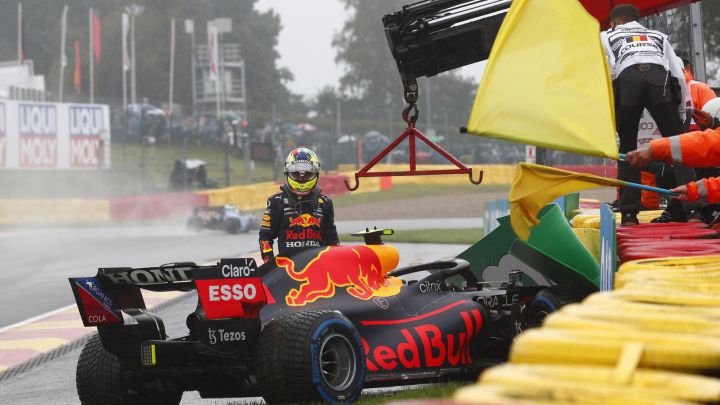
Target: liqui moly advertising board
pixel 54 136
pixel 87 124
pixel 38 141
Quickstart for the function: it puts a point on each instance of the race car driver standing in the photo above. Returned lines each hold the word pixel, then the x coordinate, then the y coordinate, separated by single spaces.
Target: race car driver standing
pixel 300 215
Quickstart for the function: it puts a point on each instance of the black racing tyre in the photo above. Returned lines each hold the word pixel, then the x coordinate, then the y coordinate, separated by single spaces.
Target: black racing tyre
pixel 548 301
pixel 310 357
pixel 99 381
pixel 233 226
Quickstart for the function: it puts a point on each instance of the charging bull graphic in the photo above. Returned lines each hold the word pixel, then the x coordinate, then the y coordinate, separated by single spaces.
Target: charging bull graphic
pixel 360 269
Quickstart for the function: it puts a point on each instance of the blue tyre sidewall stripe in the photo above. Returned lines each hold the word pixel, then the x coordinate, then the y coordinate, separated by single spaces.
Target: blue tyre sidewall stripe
pixel 314 357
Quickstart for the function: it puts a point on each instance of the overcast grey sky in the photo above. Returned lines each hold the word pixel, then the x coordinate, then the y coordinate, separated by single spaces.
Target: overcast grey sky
pixel 305 42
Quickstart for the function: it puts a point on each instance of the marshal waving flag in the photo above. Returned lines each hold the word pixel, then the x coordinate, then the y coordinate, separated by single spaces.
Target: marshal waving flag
pixel 547 82
pixel 535 186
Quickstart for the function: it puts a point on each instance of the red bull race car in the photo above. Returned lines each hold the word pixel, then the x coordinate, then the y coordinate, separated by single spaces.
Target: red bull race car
pixel 317 324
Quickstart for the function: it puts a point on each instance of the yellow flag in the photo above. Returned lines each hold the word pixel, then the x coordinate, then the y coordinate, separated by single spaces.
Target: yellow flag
pixel 535 186
pixel 547 82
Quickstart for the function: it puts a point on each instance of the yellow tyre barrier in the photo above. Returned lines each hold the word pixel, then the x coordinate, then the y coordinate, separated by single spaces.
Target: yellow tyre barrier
pixel 614 302
pixel 685 285
pixel 644 319
pixel 649 294
pixel 689 263
pixel 672 351
pixel 493 394
pixel 674 276
pixel 649 383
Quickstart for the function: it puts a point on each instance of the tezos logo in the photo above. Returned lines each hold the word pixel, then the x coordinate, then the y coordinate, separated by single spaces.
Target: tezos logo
pixel 225 336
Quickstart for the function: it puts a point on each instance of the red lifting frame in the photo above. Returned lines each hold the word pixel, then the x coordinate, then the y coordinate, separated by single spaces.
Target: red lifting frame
pixel 411 133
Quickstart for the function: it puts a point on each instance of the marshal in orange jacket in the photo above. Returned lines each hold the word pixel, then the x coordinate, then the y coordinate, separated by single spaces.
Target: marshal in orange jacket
pixel 693 149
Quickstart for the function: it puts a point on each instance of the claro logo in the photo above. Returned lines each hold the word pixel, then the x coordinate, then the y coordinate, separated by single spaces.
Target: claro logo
pixel 236 271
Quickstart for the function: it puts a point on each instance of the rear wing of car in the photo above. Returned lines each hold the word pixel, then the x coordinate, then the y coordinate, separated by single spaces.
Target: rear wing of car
pixel 228 289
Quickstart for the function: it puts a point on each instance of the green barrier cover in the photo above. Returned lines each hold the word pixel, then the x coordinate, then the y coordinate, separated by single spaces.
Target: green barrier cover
pixel 553 250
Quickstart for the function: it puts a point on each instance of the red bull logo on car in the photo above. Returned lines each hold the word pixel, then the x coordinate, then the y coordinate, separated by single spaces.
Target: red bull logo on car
pixel 359 269
pixel 423 345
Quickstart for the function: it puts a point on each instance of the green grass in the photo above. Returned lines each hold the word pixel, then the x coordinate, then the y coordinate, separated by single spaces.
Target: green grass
pixel 456 236
pixel 126 176
pixel 438 391
pixel 409 191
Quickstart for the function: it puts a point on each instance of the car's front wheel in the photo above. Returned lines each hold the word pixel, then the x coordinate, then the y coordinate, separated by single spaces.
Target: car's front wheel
pixel 309 357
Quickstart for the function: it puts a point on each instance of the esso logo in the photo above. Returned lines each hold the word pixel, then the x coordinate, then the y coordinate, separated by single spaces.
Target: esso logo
pixel 236 271
pixel 235 292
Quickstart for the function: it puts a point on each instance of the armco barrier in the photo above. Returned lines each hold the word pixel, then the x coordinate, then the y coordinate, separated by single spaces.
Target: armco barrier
pixel 254 196
pixel 159 206
pixel 55 211
pixel 333 184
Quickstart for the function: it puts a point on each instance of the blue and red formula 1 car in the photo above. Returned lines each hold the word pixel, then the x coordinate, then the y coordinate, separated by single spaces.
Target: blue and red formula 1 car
pixel 318 324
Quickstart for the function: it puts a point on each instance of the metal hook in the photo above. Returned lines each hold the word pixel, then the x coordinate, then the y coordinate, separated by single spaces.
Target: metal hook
pixel 478 181
pixel 410 120
pixel 357 183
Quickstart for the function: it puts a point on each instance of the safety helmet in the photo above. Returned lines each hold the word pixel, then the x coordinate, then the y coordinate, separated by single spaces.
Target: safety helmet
pixel 302 170
pixel 712 107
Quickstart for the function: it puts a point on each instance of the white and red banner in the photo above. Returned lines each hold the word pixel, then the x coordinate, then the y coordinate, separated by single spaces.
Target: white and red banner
pixel 54 136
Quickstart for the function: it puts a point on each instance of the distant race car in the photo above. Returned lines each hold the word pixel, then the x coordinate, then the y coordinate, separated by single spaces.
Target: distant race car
pixel 225 217
pixel 315 324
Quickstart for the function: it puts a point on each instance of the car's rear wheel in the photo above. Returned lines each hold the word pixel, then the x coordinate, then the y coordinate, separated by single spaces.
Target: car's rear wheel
pixel 309 357
pixel 99 381
pixel 233 226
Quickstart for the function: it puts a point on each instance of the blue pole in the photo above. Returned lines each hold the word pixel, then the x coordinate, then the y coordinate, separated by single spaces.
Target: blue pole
pixel 649 188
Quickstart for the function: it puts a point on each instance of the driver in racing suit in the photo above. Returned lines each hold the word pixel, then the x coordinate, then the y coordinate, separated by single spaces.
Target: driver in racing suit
pixel 299 216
